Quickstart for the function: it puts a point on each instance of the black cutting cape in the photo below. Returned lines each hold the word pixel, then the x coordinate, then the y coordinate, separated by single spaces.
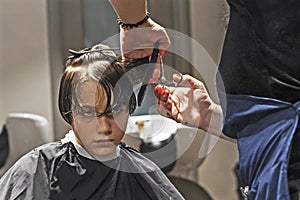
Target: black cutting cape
pixel 57 171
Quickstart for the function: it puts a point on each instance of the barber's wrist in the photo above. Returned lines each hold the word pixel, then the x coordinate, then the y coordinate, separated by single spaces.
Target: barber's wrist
pixel 133 18
pixel 142 22
pixel 215 119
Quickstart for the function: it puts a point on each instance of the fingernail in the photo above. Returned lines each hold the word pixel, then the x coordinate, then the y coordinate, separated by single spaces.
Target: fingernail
pixel 163 53
pixel 178 75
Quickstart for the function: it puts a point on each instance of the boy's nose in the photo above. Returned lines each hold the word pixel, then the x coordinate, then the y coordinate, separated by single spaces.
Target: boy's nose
pixel 103 125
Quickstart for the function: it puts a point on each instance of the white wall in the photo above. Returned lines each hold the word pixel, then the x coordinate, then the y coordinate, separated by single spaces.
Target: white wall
pixel 24 59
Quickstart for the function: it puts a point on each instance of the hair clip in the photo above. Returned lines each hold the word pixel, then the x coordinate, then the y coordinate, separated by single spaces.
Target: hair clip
pixel 77 54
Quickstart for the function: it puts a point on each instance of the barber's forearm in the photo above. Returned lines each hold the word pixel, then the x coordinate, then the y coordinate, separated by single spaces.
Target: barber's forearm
pixel 129 11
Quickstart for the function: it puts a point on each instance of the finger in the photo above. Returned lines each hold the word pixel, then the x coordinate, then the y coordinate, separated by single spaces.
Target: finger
pixel 141 53
pixel 164 40
pixel 162 93
pixel 135 50
pixel 188 81
pixel 164 44
pixel 162 52
pixel 157 92
pixel 156 73
pixel 167 105
pixel 137 53
pixel 175 112
pixel 162 111
pixel 176 103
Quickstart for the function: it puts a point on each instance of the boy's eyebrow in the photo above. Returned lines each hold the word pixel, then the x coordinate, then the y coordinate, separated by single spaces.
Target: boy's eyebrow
pixel 87 107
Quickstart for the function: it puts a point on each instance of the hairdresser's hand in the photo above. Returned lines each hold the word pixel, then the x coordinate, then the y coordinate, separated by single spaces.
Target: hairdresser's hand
pixel 139 42
pixel 190 105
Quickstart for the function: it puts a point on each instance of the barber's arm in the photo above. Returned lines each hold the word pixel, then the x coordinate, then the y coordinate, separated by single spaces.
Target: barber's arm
pixel 138 41
pixel 129 11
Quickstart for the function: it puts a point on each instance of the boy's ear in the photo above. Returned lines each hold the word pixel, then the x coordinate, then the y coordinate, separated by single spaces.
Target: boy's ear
pixel 132 104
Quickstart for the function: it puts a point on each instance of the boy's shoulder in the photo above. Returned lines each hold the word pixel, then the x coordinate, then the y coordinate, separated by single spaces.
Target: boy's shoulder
pixel 134 157
pixel 50 149
pixel 29 170
pixel 37 156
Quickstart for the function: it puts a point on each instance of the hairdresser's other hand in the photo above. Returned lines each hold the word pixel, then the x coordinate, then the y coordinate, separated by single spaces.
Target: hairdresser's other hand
pixel 190 105
pixel 138 42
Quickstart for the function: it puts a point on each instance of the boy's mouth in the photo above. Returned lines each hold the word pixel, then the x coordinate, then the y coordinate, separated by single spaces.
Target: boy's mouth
pixel 104 142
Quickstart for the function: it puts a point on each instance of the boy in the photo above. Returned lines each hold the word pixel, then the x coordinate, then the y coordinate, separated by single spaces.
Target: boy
pixel 95 98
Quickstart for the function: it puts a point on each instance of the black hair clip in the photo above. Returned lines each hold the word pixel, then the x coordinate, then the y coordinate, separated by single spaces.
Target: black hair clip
pixel 77 54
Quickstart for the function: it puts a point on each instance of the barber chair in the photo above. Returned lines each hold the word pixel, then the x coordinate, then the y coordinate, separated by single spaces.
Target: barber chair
pixel 163 153
pixel 173 147
pixel 25 132
pixel 4 148
pixel 189 189
pixel 155 135
pixel 189 142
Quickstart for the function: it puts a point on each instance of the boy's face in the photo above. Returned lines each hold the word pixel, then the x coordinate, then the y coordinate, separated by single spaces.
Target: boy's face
pixel 98 135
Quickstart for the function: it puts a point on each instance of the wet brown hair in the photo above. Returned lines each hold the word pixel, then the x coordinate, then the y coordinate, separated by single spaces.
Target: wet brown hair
pixel 101 65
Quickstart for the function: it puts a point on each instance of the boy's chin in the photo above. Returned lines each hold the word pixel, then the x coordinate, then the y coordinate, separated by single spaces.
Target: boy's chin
pixel 105 151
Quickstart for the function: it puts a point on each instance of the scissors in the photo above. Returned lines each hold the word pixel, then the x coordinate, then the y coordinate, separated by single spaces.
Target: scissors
pixel 162 80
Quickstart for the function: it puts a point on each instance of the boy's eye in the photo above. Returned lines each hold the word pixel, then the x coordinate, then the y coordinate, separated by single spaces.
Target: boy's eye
pixel 86 112
pixel 92 113
pixel 89 113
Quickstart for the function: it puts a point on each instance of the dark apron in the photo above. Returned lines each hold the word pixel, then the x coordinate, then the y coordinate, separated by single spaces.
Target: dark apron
pixel 265 129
